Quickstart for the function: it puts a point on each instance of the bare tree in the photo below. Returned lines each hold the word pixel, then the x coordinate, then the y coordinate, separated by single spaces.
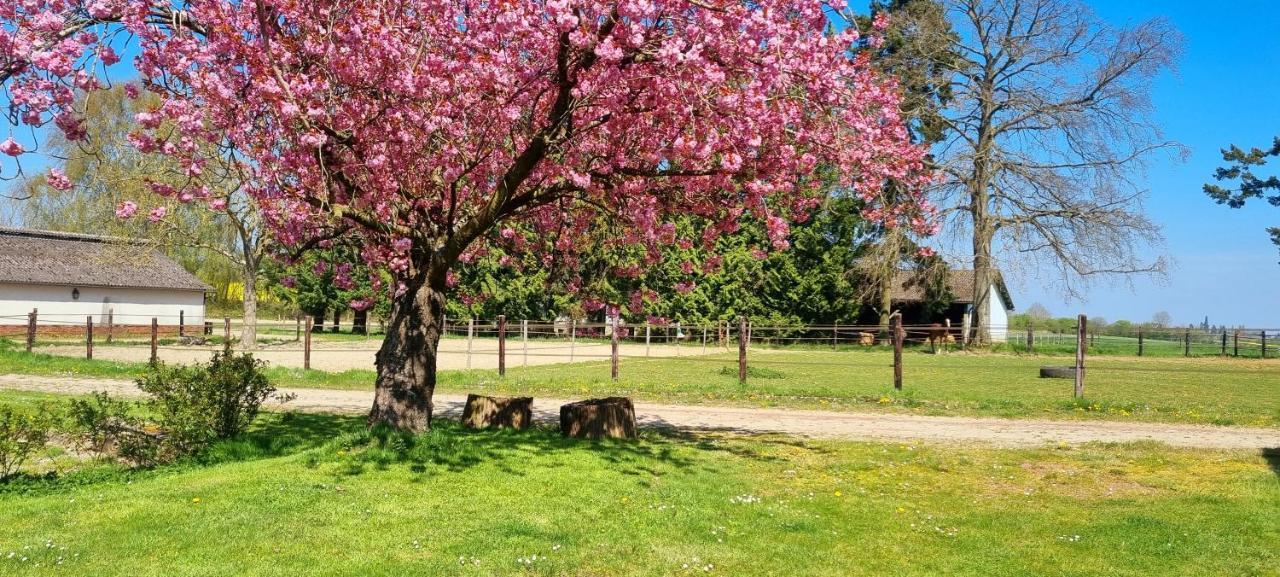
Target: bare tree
pixel 1161 319
pixel 108 170
pixel 1050 128
pixel 1038 312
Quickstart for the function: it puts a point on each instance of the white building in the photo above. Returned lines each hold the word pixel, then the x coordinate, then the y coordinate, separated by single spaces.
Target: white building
pixel 67 277
pixel 909 296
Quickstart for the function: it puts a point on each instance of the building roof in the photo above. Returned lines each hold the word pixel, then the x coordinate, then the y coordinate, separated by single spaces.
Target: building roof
pixel 66 259
pixel 959 281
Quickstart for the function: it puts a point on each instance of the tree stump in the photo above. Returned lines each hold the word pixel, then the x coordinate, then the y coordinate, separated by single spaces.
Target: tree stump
pixel 614 418
pixel 484 412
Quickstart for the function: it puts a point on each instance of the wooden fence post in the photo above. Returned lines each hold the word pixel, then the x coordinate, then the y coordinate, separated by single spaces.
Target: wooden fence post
pixel 646 339
pixel 226 332
pixel 835 336
pixel 1224 342
pixel 182 323
pixel 1186 343
pixel 31 328
pixel 742 349
pixel 471 334
pixel 613 346
pixel 155 340
pixel 111 324
pixel 524 339
pixel 1082 325
pixel 1139 341
pixel 502 345
pixel 1264 344
pixel 1235 344
pixel 1031 339
pixel 704 338
pixel 88 337
pixel 297 329
pixel 306 345
pixel 898 336
pixel 573 336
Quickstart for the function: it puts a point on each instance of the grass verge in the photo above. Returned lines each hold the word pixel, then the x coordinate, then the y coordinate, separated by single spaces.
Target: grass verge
pixel 320 495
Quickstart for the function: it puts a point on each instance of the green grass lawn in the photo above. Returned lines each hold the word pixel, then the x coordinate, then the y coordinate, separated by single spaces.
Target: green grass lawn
pixel 1197 390
pixel 319 495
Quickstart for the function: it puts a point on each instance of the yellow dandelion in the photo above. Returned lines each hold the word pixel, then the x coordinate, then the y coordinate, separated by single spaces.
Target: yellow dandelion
pixel 839 494
pixel 195 499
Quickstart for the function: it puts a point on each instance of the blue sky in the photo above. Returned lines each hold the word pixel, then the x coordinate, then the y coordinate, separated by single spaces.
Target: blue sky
pixel 1226 90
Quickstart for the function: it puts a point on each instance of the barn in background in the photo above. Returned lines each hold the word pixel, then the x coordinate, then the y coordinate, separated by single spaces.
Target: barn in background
pixel 68 277
pixel 909 297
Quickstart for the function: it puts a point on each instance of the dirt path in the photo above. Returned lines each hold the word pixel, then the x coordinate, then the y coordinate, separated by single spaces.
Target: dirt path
pixel 818 424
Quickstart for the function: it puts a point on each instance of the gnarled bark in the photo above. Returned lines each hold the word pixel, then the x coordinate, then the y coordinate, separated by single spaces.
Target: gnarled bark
pixel 407 360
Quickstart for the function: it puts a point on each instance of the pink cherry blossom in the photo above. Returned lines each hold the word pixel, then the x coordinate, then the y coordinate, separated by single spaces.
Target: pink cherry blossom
pixel 527 127
pixel 11 147
pixel 157 214
pixel 126 209
pixel 58 180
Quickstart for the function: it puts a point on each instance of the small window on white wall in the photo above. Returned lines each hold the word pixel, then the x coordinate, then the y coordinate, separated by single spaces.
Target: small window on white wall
pixel 75 294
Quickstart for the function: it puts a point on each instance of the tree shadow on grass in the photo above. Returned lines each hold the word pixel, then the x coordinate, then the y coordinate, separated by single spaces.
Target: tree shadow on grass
pixel 346 444
pixel 279 434
pixel 450 447
pixel 1272 456
pixel 272 435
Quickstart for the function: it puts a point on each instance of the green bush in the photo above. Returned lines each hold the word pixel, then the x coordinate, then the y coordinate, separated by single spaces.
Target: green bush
pixel 198 404
pixel 22 434
pixel 106 426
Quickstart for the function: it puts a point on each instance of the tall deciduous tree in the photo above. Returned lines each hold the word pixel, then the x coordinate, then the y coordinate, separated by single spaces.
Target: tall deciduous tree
pixel 97 175
pixel 1049 127
pixel 424 129
pixel 1249 185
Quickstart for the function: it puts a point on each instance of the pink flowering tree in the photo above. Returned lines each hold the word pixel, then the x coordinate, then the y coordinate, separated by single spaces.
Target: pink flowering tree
pixel 424 130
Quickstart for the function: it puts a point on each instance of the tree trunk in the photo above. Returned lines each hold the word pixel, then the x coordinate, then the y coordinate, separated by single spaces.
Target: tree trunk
pixel 886 300
pixel 249 331
pixel 317 321
pixel 360 322
pixel 337 319
pixel 982 276
pixel 407 360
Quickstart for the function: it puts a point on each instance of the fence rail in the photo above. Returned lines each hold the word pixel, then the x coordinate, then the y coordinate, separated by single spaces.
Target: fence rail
pixel 524 342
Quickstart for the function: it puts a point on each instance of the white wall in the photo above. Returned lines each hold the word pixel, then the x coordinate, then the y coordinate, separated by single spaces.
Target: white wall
pixel 131 306
pixel 999 321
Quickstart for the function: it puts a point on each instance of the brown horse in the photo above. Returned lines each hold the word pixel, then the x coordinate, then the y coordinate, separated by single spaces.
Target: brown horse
pixel 939 334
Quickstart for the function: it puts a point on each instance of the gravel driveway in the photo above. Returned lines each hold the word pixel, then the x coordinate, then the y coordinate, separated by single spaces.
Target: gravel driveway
pixel 817 424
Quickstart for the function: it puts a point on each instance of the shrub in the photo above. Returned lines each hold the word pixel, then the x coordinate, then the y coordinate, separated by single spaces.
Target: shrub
pixel 198 404
pixel 106 426
pixel 22 434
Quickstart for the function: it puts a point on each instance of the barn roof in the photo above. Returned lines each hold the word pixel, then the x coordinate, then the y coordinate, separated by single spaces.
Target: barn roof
pixel 959 281
pixel 60 258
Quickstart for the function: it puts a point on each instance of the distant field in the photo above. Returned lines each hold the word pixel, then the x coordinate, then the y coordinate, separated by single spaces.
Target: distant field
pixel 1196 390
